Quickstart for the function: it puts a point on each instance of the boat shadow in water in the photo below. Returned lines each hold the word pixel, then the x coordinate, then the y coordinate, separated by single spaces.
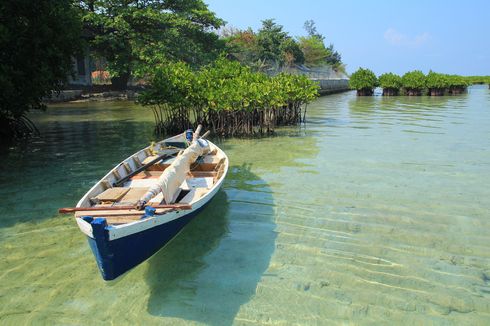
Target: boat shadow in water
pixel 213 267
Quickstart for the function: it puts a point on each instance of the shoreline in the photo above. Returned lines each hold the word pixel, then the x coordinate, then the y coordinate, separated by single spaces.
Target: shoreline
pixel 82 96
pixel 102 93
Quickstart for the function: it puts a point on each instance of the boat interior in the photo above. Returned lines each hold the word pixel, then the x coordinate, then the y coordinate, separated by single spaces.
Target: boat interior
pixel 111 192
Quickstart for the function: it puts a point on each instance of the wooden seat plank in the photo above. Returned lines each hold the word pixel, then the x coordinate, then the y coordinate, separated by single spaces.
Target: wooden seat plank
pixel 112 194
pixel 134 194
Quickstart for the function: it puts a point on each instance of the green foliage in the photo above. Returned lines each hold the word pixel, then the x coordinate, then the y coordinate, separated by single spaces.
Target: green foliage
pixel 134 35
pixel 390 81
pixel 333 57
pixel 456 81
pixel 227 97
pixel 243 46
pixel 310 28
pixel 291 52
pixel 363 79
pixel 269 39
pixel 414 80
pixel 275 45
pixel 37 41
pixel 436 81
pixel 471 80
pixel 315 52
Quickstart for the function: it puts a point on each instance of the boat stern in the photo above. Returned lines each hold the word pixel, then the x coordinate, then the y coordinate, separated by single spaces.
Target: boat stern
pixel 98 240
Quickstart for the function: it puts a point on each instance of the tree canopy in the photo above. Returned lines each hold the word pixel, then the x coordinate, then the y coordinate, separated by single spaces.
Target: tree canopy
pixel 272 46
pixel 38 40
pixel 225 96
pixel 363 79
pixel 390 81
pixel 276 46
pixel 315 51
pixel 413 80
pixel 133 35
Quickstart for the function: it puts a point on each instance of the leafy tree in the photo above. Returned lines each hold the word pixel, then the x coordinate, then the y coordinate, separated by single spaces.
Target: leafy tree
pixel 334 58
pixel 243 45
pixel 435 80
pixel 391 83
pixel 364 81
pixel 38 39
pixel 390 80
pixel 315 51
pixel 291 53
pixel 310 28
pixel 414 82
pixel 456 81
pixel 275 46
pixel 227 97
pixel 457 84
pixel 133 35
pixel 269 39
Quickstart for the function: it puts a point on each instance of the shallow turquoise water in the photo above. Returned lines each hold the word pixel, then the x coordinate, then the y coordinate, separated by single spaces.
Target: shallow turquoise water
pixel 376 211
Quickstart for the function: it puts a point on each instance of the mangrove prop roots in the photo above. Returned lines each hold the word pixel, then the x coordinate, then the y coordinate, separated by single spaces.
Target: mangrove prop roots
pixel 229 122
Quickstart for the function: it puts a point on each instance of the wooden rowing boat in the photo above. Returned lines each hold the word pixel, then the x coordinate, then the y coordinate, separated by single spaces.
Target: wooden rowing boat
pixel 121 236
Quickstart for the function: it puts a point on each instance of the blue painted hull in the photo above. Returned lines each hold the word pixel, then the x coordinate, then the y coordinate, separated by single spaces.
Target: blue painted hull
pixel 116 257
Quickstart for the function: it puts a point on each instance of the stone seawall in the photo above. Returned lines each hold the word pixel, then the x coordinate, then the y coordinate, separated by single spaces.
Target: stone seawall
pixel 330 86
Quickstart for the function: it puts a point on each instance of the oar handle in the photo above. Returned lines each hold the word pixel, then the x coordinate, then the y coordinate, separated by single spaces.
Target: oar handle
pixel 67 210
pixel 206 134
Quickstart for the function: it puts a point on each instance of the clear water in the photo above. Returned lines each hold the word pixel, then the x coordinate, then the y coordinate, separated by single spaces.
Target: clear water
pixel 375 212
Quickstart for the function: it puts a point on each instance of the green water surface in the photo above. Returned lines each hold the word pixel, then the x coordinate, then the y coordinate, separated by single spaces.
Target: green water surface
pixel 377 211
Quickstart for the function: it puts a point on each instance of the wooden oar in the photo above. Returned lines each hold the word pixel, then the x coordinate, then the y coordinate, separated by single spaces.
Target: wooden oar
pixel 142 168
pixel 206 134
pixel 67 210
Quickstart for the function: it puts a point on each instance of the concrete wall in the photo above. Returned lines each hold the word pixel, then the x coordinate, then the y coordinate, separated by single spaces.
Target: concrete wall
pixel 329 86
pixel 63 96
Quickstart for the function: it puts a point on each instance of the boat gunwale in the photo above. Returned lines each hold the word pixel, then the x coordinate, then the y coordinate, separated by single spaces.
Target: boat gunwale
pixel 119 231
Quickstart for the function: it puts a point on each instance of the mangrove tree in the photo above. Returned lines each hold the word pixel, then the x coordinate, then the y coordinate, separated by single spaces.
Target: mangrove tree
pixel 226 97
pixel 364 81
pixel 391 84
pixel 413 83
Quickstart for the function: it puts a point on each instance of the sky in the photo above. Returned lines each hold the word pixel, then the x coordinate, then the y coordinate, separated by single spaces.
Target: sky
pixel 385 36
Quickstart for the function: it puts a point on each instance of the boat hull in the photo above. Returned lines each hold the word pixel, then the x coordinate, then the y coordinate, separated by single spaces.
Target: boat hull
pixel 115 257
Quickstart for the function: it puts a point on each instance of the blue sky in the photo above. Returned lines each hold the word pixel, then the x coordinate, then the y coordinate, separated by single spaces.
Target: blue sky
pixel 385 36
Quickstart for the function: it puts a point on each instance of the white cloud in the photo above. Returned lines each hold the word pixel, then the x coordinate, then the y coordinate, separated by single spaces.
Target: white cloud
pixel 394 37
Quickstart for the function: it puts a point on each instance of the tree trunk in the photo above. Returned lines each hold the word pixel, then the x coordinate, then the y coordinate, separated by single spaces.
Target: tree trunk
pixel 436 91
pixel 390 91
pixel 365 92
pixel 414 92
pixel 457 90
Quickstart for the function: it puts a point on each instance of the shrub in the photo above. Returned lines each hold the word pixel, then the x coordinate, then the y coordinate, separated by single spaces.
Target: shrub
pixel 390 80
pixel 457 84
pixel 414 80
pixel 363 80
pixel 435 80
pixel 456 81
pixel 226 97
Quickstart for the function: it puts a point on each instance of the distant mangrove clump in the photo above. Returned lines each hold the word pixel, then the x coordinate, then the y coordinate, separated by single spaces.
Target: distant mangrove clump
pixel 226 97
pixel 391 84
pixel 412 83
pixel 364 81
